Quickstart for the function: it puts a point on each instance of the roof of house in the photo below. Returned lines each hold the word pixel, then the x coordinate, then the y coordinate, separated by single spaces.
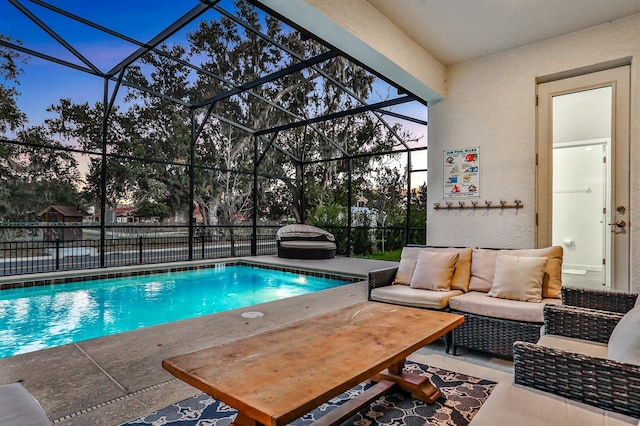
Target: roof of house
pixel 69 211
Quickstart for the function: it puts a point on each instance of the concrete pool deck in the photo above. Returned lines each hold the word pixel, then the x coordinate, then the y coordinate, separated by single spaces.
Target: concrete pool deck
pixel 113 379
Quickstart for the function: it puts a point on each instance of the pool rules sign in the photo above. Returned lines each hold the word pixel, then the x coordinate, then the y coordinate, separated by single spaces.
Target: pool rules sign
pixel 462 173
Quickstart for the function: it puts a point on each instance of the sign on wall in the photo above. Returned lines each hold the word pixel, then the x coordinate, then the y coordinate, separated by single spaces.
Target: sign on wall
pixel 462 173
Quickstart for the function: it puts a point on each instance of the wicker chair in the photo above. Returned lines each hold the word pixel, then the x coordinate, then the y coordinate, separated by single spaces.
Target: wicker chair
pixel 600 382
pixel 599 299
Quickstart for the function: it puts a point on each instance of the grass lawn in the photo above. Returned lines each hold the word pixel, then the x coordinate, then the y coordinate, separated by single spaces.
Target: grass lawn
pixel 387 255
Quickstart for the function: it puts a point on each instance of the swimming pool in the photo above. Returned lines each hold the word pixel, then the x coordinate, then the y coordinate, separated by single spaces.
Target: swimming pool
pixel 52 315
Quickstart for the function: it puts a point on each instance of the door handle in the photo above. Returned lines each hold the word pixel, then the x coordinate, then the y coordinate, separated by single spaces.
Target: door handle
pixel 619 223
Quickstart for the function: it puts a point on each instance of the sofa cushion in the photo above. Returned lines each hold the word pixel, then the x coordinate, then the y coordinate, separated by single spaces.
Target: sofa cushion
pixel 624 342
pixel 461 275
pixel 302 244
pixel 483 267
pixel 18 407
pixel 407 296
pixel 518 278
pixel 511 404
pixel 434 270
pixel 477 302
pixel 484 261
pixel 301 230
pixel 585 347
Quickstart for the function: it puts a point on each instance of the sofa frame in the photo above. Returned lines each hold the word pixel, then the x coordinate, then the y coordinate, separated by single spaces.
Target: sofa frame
pixel 492 335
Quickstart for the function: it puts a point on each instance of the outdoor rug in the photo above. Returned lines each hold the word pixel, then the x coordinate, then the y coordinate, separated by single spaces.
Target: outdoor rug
pixel 462 397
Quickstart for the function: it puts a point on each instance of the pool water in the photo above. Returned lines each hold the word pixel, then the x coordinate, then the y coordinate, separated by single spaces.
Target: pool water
pixel 46 316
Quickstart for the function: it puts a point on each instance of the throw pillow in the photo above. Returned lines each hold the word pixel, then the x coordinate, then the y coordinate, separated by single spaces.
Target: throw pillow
pixel 407 264
pixel 434 270
pixel 518 278
pixel 483 266
pixel 624 342
pixel 462 273
pixel 552 283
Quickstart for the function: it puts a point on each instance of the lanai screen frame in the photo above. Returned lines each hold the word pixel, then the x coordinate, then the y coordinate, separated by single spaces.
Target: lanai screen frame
pixel 116 75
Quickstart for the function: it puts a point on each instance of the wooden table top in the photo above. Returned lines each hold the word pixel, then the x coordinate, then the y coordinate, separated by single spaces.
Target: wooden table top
pixel 277 376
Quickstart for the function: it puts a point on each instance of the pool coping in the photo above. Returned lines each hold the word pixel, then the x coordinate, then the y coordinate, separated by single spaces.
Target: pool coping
pixel 74 276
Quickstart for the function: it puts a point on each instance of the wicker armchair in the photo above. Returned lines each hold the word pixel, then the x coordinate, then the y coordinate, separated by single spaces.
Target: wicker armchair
pixel 599 299
pixel 600 382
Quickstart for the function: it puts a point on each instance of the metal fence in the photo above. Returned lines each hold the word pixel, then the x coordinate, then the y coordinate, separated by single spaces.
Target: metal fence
pixel 28 249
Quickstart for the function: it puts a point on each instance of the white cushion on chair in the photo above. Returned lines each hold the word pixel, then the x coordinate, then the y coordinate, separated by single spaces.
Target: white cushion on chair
pixel 404 295
pixel 511 404
pixel 19 408
pixel 585 347
pixel 476 302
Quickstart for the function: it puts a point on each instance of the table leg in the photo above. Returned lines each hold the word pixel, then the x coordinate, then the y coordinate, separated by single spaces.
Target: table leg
pixel 244 420
pixel 419 387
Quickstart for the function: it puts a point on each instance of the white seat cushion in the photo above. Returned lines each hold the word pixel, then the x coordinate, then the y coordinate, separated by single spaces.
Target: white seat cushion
pixel 404 295
pixel 511 404
pixel 477 302
pixel 301 244
pixel 585 347
pixel 19 408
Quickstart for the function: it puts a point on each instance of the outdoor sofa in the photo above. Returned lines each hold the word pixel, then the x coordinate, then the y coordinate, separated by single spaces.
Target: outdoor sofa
pixel 305 242
pixel 500 293
pixel 585 370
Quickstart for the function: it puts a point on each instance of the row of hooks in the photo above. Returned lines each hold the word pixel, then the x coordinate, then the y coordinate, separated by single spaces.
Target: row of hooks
pixel 517 204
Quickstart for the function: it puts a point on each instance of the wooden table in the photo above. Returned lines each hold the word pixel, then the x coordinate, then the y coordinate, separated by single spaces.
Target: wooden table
pixel 276 377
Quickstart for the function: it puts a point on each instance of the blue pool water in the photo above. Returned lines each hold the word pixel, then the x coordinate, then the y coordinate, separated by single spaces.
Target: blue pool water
pixel 46 316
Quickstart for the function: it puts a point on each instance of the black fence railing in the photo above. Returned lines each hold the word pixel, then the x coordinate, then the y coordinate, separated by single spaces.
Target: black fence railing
pixel 28 249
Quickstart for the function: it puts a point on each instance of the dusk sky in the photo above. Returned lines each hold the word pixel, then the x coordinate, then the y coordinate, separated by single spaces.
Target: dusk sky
pixel 44 83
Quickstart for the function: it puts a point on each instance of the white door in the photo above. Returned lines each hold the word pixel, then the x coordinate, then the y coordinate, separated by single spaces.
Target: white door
pixel 583 176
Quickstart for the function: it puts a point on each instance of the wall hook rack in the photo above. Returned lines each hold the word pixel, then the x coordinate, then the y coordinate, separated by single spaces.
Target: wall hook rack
pixel 488 204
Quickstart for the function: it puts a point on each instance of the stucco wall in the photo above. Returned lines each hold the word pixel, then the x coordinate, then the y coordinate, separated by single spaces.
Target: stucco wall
pixel 491 104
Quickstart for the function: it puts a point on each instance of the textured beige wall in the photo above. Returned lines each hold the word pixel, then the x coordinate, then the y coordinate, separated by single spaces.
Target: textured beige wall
pixel 491 104
pixel 358 29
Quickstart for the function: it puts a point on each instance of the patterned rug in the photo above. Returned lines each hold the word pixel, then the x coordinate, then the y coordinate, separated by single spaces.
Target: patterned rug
pixel 462 397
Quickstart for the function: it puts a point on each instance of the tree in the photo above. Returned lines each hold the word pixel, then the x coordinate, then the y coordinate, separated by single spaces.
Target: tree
pixel 37 174
pixel 150 136
pixel 34 172
pixel 419 213
pixel 150 209
pixel 11 117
